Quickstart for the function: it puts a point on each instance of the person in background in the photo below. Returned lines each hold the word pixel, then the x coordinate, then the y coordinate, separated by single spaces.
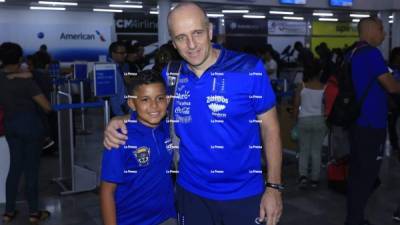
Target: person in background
pixel 270 64
pixel 309 113
pixel 394 102
pixel 164 55
pixel 304 57
pixel 368 134
pixel 132 58
pixel 117 52
pixel 23 102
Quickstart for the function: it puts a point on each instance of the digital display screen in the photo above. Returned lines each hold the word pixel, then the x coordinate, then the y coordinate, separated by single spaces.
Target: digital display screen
pixel 293 2
pixel 344 3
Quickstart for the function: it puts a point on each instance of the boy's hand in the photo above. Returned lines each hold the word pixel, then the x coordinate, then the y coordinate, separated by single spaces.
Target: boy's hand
pixel 113 138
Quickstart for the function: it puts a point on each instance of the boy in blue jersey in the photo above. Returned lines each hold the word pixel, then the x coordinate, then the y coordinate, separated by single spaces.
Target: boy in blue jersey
pixel 136 187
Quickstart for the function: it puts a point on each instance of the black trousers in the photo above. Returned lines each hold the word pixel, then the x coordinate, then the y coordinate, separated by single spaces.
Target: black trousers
pixel 24 134
pixel 366 152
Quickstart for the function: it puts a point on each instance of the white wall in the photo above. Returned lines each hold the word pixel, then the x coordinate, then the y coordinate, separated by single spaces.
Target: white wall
pixel 14 16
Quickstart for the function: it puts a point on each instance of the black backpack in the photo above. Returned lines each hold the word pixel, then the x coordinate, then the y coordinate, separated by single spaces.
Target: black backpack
pixel 346 109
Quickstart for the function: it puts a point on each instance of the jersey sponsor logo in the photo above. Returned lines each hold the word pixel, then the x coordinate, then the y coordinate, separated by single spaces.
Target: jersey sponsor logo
pixel 217 103
pixel 142 156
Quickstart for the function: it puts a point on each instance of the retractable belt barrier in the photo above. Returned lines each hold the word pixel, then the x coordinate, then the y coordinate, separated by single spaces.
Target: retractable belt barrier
pixel 73 178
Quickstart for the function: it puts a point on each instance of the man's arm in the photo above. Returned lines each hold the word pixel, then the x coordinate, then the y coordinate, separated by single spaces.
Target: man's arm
pixel 42 101
pixel 389 83
pixel 271 202
pixel 113 138
pixel 24 75
pixel 108 203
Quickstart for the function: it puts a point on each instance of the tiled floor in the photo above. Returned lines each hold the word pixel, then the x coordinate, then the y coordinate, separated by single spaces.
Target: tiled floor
pixel 319 207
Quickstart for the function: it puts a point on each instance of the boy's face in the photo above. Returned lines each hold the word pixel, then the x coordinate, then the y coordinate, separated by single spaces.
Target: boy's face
pixel 150 103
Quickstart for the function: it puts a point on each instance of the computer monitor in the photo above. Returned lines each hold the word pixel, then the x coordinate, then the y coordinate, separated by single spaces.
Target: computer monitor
pixel 341 3
pixel 293 2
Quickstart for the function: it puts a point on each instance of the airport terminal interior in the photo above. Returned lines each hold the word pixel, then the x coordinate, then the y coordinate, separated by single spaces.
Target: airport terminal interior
pixel 73 38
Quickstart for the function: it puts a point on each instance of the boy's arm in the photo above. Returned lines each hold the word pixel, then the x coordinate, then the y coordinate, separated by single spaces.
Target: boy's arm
pixel 108 203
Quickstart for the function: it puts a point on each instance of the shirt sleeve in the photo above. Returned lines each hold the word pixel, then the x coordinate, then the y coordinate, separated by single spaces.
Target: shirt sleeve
pixel 379 66
pixel 113 165
pixel 263 98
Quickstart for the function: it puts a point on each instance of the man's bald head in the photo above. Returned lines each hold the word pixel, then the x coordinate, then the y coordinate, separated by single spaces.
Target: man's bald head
pixel 187 6
pixel 371 30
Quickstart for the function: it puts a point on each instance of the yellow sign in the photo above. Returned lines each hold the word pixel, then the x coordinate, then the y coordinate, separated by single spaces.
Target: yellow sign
pixel 334 28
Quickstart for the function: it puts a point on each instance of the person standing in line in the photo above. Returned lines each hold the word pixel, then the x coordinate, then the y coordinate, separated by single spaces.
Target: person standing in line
pixel 368 134
pixel 308 110
pixel 22 100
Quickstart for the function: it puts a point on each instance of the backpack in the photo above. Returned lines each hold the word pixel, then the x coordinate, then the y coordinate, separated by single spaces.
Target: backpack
pixel 346 109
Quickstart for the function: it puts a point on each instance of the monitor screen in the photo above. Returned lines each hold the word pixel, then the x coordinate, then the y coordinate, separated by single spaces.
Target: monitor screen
pixel 293 2
pixel 345 3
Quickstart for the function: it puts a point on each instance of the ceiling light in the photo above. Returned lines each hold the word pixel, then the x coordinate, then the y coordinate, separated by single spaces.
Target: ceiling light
pixel 215 15
pixel 328 19
pixel 58 3
pixel 293 18
pixel 125 6
pixel 235 11
pixel 107 10
pixel 281 12
pixel 322 14
pixel 391 17
pixel 2 0
pixel 254 16
pixel 154 12
pixel 359 15
pixel 356 20
pixel 390 21
pixel 47 8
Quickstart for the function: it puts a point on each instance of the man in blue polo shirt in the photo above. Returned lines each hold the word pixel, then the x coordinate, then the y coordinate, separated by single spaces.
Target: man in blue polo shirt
pixel 369 134
pixel 222 100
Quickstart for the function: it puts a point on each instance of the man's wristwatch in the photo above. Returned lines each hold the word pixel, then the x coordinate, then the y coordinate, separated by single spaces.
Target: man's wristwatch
pixel 279 187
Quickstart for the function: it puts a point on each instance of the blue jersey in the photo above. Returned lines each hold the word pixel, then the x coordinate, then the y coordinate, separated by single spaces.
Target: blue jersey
pixel 216 119
pixel 140 168
pixel 368 64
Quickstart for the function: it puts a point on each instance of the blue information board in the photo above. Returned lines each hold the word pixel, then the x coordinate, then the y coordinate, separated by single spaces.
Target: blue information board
pixel 105 80
pixel 293 2
pixel 345 3
pixel 54 69
pixel 80 71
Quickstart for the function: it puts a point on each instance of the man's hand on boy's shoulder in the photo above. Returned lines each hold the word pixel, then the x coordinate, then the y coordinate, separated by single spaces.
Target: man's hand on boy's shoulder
pixel 22 74
pixel 113 138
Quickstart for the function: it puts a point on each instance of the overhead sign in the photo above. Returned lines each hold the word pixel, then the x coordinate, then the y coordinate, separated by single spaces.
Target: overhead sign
pixel 65 42
pixel 134 23
pixel 334 28
pixel 281 27
pixel 105 80
pixel 245 26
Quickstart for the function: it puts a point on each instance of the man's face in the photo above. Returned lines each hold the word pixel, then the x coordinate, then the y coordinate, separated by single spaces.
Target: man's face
pixel 150 103
pixel 377 33
pixel 119 54
pixel 191 36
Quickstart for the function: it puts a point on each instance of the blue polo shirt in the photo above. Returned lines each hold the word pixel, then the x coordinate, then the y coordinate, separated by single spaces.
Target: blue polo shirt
pixel 140 168
pixel 216 119
pixel 368 64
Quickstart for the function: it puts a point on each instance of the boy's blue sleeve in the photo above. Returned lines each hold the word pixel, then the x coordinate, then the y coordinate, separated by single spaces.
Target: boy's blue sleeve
pixel 113 165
